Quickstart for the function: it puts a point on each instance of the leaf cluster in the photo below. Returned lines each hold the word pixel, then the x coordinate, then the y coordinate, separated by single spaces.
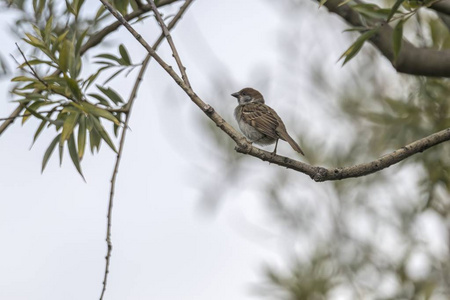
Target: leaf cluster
pixel 54 91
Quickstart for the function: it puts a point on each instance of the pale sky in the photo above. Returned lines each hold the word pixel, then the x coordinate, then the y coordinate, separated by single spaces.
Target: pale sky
pixel 165 245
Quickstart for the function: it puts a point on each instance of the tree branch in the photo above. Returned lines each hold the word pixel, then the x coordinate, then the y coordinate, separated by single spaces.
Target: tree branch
pixel 442 6
pixel 92 42
pixel 411 59
pixel 166 33
pixel 317 173
pixel 122 142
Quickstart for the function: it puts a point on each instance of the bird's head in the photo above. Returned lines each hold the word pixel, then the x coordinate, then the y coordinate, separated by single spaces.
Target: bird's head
pixel 248 95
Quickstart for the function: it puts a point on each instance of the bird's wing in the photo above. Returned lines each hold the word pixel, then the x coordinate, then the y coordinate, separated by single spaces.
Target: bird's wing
pixel 262 118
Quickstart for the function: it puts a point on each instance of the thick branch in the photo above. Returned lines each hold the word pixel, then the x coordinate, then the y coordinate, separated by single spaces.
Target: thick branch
pixel 315 172
pixel 411 59
pixel 442 6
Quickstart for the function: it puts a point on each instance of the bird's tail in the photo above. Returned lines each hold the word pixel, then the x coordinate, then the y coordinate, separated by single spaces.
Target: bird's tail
pixel 293 144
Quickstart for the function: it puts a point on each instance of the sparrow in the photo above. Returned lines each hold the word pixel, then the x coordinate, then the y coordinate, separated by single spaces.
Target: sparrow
pixel 258 122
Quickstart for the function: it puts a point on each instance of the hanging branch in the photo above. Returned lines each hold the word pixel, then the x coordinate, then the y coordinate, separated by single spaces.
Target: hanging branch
pixel 129 106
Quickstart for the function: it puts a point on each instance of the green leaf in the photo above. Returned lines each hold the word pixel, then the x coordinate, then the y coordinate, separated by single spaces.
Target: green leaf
pixel 113 75
pixel 94 138
pixel 49 151
pixel 70 8
pixel 97 111
pixel 397 39
pixel 65 56
pixel 74 155
pixel 111 94
pixel 394 9
pixel 69 125
pixel 357 45
pixel 344 2
pixel 322 2
pixel 121 6
pixel 99 127
pixel 37 62
pixel 124 53
pixel 74 88
pixel 100 99
pixel 61 152
pixel 34 107
pixel 48 30
pixel 23 78
pixel 80 41
pixel 81 136
pixel 79 4
pixel 120 61
pixel 371 10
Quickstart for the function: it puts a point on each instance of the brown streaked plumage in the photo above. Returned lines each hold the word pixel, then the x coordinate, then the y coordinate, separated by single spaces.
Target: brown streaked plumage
pixel 260 123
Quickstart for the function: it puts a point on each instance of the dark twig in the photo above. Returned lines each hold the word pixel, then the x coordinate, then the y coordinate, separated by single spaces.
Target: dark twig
pixel 33 72
pixel 28 114
pixel 122 141
pixel 166 33
pixel 315 172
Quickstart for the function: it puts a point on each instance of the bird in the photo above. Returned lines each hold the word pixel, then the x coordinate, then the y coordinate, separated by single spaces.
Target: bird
pixel 260 123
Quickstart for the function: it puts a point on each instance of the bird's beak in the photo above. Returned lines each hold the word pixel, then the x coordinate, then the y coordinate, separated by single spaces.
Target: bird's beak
pixel 236 95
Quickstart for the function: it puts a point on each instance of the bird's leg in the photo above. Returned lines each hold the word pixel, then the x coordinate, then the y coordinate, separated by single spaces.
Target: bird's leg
pixel 275 150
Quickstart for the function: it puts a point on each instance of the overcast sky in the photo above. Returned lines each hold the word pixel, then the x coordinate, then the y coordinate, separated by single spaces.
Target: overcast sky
pixel 165 246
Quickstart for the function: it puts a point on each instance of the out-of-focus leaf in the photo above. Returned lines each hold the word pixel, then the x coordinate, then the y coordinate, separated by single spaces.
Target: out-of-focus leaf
pixel 121 5
pixel 113 75
pixel 102 100
pixel 34 107
pixel 80 41
pixel 74 88
pixel 124 53
pixel 372 10
pixel 397 38
pixel 394 9
pixel 116 127
pixel 81 136
pixel 120 61
pixel 322 2
pixel 74 155
pixel 23 78
pixel 94 139
pixel 344 2
pixel 70 8
pixel 357 45
pixel 65 55
pixel 69 125
pixel 38 62
pixel 49 151
pixel 61 152
pixel 99 127
pixel 79 5
pixel 111 94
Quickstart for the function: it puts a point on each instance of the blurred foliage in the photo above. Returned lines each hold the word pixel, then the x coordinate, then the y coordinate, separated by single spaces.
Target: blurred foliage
pixel 384 236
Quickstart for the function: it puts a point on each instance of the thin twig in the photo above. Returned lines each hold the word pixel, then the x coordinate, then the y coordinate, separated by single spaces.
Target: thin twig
pixel 34 73
pixel 28 114
pixel 315 172
pixel 122 141
pixel 166 33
